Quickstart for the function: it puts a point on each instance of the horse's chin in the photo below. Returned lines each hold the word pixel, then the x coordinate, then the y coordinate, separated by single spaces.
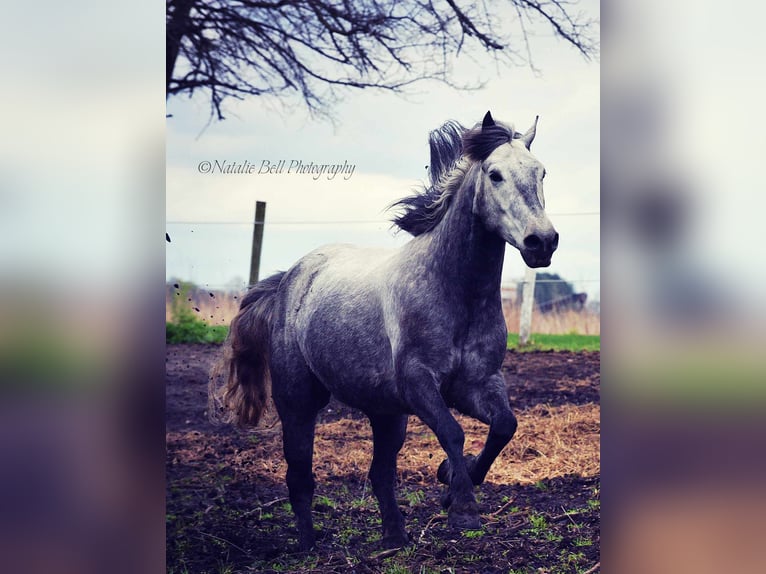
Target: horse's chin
pixel 535 260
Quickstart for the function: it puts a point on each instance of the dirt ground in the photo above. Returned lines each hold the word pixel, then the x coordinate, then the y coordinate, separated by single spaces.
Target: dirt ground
pixel 227 508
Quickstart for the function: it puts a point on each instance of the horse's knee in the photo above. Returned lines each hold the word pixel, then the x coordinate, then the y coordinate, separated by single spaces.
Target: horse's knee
pixel 452 437
pixel 504 426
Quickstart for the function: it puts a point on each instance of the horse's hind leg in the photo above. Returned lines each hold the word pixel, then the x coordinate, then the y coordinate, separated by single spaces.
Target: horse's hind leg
pixel 491 407
pixel 298 401
pixel 388 437
pixel 298 438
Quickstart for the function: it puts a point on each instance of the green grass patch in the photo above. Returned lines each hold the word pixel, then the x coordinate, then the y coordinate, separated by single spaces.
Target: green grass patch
pixel 414 498
pixel 194 331
pixel 187 327
pixel 323 501
pixel 567 342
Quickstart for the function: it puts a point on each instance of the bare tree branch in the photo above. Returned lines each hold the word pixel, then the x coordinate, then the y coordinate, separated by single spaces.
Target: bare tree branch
pixel 314 49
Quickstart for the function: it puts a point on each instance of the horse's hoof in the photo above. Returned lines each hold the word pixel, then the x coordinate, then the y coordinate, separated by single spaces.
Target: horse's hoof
pixel 306 541
pixel 463 521
pixel 306 545
pixel 398 540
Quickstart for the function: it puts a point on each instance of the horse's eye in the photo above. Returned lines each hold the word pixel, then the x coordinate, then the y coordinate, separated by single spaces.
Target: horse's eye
pixel 495 176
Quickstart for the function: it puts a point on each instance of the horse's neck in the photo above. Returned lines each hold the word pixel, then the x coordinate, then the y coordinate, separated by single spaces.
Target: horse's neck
pixel 463 253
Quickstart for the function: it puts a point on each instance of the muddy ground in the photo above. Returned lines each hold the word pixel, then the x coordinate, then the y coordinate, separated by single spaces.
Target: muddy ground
pixel 227 508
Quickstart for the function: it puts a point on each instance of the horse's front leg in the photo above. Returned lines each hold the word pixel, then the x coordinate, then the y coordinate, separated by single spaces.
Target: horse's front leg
pixel 487 402
pixel 422 396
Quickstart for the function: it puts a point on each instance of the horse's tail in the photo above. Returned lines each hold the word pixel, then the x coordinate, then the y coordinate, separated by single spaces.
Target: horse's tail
pixel 240 383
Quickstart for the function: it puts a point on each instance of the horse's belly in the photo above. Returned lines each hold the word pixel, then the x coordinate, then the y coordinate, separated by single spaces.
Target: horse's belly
pixel 370 399
pixel 361 380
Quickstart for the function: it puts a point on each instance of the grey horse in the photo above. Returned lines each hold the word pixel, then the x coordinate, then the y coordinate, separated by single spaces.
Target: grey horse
pixel 415 330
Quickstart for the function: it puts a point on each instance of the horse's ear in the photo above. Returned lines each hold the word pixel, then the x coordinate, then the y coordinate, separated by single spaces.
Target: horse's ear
pixel 529 135
pixel 487 121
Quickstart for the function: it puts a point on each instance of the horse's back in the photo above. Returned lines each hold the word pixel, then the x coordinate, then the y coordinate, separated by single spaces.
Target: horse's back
pixel 338 271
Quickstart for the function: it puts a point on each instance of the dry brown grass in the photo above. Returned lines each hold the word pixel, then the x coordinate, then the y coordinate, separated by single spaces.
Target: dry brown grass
pixel 222 308
pixel 550 442
pixel 583 322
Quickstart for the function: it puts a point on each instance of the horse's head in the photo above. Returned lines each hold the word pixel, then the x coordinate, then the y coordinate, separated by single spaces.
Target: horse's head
pixel 509 193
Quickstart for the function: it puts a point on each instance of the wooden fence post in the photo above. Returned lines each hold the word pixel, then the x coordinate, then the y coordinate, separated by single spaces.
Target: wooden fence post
pixel 255 256
pixel 527 304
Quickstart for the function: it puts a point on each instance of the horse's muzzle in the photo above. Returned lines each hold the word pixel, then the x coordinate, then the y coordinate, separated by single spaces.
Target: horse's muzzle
pixel 539 247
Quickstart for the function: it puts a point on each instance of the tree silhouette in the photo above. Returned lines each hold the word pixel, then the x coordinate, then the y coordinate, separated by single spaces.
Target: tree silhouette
pixel 315 48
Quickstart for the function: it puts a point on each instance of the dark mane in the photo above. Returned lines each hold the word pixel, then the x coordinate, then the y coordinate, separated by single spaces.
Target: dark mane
pixel 479 142
pixel 446 145
pixel 452 147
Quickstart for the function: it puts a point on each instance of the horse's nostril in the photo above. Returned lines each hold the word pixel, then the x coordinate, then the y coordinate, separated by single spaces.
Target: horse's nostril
pixel 555 243
pixel 533 242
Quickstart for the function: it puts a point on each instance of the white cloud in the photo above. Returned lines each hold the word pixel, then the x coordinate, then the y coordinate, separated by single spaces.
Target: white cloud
pixel 290 197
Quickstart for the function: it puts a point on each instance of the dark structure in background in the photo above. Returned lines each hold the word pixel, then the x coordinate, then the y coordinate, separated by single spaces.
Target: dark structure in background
pixel 553 294
pixel 573 302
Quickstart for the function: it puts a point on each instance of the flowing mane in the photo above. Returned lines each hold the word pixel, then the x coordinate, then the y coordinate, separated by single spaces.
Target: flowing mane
pixel 454 149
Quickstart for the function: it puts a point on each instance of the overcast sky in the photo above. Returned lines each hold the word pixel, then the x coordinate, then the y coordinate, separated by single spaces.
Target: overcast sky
pixel 385 137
